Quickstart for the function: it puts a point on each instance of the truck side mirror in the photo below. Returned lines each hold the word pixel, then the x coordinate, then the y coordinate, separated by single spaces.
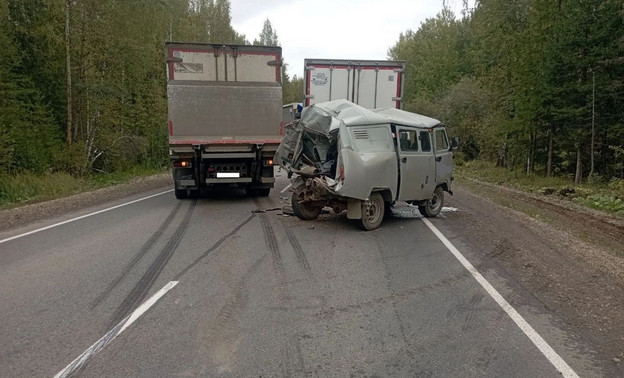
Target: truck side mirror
pixel 455 143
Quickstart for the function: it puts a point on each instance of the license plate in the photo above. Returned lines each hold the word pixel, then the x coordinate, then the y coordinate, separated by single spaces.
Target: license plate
pixel 228 175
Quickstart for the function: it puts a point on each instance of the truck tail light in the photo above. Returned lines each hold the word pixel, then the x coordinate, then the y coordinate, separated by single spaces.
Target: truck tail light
pixel 268 162
pixel 182 164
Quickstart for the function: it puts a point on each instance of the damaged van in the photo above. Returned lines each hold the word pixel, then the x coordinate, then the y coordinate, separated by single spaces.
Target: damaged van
pixel 343 156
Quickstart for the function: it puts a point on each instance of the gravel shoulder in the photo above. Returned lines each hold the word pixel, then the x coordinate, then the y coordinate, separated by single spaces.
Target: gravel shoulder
pixel 22 215
pixel 571 258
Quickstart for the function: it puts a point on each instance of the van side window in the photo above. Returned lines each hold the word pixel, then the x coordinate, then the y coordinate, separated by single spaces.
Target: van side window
pixel 425 141
pixel 407 140
pixel 441 140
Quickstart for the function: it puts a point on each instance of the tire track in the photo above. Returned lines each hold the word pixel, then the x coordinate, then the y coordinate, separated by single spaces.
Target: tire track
pixel 271 242
pixel 141 289
pixel 144 249
pixel 214 247
pixel 302 260
pixel 299 253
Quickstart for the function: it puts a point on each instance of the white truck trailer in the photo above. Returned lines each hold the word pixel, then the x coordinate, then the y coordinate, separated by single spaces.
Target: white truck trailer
pixel 371 84
pixel 225 112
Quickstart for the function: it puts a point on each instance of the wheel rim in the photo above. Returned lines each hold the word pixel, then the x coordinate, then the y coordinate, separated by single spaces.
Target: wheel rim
pixel 434 202
pixel 373 210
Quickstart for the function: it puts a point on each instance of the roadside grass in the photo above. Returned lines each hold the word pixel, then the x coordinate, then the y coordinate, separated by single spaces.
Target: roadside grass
pixel 607 196
pixel 25 188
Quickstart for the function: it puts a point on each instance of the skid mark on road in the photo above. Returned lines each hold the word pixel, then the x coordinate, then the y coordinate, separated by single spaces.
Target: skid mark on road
pixel 140 290
pixel 271 242
pixel 468 311
pixel 299 253
pixel 219 339
pixel 302 260
pixel 144 249
pixel 214 247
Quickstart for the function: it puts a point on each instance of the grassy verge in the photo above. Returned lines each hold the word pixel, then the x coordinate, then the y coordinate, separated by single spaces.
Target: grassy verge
pixel 29 188
pixel 607 196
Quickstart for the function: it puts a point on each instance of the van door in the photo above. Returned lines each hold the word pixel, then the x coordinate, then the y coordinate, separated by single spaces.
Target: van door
pixel 416 164
pixel 443 157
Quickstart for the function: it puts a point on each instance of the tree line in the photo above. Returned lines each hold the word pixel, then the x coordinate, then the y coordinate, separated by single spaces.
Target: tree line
pixel 527 83
pixel 82 82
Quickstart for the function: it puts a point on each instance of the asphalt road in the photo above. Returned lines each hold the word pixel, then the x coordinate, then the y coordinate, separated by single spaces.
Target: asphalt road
pixel 263 294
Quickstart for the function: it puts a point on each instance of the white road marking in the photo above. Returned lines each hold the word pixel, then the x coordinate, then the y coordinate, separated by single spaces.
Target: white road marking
pixel 539 342
pixel 113 333
pixel 82 217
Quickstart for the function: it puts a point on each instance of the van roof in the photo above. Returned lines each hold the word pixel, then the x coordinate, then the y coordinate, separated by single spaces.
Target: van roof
pixel 354 115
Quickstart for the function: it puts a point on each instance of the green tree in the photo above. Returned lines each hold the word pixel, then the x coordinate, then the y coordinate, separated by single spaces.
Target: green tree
pixel 268 36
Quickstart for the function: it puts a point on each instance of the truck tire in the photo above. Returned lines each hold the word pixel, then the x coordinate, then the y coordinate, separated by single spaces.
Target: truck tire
pixel 264 192
pixel 373 211
pixel 433 206
pixel 304 210
pixel 180 193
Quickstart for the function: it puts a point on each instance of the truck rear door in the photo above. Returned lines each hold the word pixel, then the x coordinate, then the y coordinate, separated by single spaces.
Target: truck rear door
pixel 370 84
pixel 223 93
pixel 416 163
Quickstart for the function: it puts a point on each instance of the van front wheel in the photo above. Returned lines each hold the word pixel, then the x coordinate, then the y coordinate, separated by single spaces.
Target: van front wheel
pixel 305 210
pixel 373 211
pixel 433 206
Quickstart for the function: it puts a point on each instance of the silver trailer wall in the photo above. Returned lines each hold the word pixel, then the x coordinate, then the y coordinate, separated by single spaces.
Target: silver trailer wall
pixel 368 83
pixel 204 112
pixel 223 93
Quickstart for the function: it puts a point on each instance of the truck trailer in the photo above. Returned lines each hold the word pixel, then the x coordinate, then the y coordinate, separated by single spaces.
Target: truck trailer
pixel 225 112
pixel 370 84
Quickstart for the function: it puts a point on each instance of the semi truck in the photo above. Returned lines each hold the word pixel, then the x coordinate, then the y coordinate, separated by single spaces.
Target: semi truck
pixel 370 84
pixel 224 116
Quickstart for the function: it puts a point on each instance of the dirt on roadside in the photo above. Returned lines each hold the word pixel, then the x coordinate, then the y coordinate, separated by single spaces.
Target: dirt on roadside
pixel 22 215
pixel 571 258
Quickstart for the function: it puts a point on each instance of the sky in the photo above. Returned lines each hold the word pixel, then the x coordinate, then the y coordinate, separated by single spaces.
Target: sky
pixel 334 29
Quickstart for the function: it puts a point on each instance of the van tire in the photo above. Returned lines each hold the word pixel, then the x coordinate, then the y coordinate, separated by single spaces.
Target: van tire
pixel 304 210
pixel 433 205
pixel 373 211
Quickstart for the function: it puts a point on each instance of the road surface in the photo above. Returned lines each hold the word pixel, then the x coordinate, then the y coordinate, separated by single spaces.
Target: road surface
pixel 233 287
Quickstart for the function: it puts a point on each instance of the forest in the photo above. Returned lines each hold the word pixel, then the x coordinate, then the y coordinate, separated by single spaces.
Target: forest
pixel 82 82
pixel 533 85
pixel 530 84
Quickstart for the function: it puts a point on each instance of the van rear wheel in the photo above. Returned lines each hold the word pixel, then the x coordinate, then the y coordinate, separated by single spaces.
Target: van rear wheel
pixel 373 211
pixel 433 206
pixel 305 210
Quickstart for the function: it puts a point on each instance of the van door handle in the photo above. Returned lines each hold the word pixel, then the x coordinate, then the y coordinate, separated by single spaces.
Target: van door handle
pixel 439 158
pixel 403 160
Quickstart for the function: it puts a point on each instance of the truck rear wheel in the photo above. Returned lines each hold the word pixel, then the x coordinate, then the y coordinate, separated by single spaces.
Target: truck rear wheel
pixel 305 210
pixel 180 193
pixel 433 206
pixel 373 211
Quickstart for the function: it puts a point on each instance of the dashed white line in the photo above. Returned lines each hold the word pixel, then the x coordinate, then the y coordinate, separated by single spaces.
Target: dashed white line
pixel 113 333
pixel 539 342
pixel 82 217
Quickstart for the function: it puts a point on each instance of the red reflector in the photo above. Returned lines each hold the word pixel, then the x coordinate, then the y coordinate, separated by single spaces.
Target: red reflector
pixel 170 127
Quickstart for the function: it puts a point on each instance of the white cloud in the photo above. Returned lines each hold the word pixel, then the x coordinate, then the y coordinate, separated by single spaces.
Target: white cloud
pixel 334 29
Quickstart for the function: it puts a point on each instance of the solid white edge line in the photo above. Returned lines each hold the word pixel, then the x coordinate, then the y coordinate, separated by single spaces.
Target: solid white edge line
pixel 539 342
pixel 113 333
pixel 82 216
